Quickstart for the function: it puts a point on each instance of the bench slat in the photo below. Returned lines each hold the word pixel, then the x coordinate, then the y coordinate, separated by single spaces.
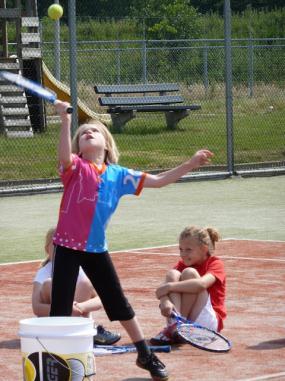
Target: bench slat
pixel 132 89
pixel 154 108
pixel 148 100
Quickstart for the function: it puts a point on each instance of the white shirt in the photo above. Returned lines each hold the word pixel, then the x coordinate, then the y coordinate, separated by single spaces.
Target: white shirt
pixel 45 273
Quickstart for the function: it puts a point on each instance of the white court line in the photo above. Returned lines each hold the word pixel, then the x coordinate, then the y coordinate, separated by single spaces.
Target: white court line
pixel 265 377
pixel 20 262
pixel 252 239
pixel 220 256
pixel 253 259
pixel 149 248
pixel 176 244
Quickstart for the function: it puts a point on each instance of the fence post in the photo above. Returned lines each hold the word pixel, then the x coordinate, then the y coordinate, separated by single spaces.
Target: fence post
pixel 57 46
pixel 229 86
pixel 144 55
pixel 250 67
pixel 73 61
pixel 144 58
pixel 118 59
pixel 205 68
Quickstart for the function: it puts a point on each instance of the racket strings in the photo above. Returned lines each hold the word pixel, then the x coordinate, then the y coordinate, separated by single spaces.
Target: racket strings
pixel 203 338
pixel 198 335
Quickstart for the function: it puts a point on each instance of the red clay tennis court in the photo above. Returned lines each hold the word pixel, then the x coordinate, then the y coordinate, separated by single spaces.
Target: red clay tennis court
pixel 255 323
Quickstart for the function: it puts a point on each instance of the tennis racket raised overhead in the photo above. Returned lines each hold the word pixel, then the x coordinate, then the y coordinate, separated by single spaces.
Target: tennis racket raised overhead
pixel 201 337
pixel 32 87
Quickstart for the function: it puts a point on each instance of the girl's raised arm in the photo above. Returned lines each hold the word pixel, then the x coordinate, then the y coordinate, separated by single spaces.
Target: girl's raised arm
pixel 64 147
pixel 200 158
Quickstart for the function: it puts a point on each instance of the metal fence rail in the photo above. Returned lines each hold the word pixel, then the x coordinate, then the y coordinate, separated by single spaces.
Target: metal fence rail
pixel 198 66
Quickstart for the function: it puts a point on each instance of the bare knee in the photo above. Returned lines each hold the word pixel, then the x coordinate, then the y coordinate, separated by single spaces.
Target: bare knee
pixel 173 276
pixel 189 273
pixel 84 290
pixel 46 291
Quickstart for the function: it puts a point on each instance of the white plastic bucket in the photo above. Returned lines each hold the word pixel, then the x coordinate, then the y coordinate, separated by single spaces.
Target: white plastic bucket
pixel 57 349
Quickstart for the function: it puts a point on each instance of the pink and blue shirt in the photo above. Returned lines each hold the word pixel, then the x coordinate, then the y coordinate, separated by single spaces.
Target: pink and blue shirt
pixel 90 197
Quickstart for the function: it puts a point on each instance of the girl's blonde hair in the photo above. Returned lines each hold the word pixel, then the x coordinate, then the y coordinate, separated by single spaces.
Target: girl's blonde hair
pixel 205 236
pixel 48 240
pixel 112 153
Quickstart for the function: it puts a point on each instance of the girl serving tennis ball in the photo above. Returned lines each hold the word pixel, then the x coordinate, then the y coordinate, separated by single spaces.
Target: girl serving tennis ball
pixel 195 288
pixel 93 185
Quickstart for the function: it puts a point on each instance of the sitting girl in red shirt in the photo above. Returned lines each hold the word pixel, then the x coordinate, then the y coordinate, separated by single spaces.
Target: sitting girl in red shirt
pixel 195 288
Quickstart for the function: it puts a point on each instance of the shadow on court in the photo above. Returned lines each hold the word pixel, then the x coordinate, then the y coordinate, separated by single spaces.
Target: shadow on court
pixel 271 344
pixel 10 344
pixel 255 323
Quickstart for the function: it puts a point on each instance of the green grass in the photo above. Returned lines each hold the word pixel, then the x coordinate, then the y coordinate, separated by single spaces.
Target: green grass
pixel 147 144
pixel 29 158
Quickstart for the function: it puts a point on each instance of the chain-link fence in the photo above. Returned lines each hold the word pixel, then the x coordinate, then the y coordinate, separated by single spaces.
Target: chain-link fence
pixel 145 142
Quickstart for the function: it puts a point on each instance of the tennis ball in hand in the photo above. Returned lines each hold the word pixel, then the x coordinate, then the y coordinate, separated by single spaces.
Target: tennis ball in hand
pixel 55 11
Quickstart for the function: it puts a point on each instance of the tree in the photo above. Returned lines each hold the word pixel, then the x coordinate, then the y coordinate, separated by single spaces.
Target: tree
pixel 207 6
pixel 168 19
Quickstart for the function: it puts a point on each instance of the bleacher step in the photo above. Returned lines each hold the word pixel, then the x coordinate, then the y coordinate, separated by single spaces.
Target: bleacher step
pixel 9 65
pixel 31 52
pixel 30 22
pixel 10 89
pixel 27 38
pixel 13 100
pixel 19 134
pixel 17 123
pixel 15 111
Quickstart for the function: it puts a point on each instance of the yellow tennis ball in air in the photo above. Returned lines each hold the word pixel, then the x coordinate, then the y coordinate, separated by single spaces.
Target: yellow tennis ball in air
pixel 55 11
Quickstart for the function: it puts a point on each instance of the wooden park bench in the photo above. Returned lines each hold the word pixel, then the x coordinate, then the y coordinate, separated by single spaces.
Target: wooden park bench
pixel 124 101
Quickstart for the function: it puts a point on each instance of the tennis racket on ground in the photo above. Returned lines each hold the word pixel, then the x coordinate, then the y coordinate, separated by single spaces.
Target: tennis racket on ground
pixel 103 350
pixel 32 87
pixel 201 337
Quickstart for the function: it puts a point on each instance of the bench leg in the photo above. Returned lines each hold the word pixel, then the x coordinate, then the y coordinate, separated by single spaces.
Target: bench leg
pixel 173 117
pixel 120 119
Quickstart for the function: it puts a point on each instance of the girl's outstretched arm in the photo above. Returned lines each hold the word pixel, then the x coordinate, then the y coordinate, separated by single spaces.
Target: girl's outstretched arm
pixel 64 147
pixel 200 158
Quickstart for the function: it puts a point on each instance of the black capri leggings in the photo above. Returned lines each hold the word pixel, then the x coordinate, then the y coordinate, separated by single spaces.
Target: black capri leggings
pixel 100 270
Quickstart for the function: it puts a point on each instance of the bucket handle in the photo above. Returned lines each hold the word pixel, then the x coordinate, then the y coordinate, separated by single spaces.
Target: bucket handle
pixel 55 359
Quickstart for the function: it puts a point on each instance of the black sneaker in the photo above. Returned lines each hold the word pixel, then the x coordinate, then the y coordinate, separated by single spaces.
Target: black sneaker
pixel 105 337
pixel 154 366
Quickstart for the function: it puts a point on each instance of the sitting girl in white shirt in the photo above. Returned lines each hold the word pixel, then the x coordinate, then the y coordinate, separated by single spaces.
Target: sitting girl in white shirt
pixel 85 301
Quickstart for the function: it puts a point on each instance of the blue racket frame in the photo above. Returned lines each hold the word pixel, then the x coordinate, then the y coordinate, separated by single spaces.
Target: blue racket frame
pixel 119 349
pixel 181 320
pixel 32 87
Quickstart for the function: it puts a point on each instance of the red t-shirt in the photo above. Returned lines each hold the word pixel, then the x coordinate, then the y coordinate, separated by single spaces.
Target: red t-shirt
pixel 213 265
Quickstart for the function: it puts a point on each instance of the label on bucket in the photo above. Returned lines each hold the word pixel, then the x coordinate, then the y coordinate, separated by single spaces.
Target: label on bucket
pixel 44 366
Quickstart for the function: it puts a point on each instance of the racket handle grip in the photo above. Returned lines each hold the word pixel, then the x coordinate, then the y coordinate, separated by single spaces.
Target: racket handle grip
pixel 69 110
pixel 162 348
